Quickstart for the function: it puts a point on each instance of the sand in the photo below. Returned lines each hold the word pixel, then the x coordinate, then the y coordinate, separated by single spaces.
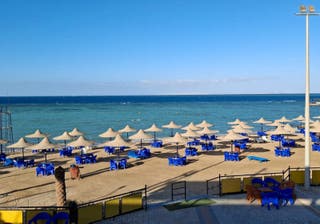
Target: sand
pixel 21 187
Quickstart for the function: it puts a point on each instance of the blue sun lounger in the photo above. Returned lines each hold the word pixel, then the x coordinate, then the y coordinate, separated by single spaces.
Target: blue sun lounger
pixel 260 159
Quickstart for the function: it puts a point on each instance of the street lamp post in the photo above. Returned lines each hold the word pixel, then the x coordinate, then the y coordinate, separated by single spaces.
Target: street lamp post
pixel 307 12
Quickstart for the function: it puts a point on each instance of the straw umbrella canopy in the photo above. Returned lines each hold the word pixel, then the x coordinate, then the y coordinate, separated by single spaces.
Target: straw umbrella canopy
pixel 76 132
pixel 240 129
pixel 276 123
pixel 204 124
pixel 177 139
pixel 280 130
pixel 262 121
pixel 20 144
pixel 43 145
pixel 172 126
pixel 127 129
pixel 245 126
pixel 236 121
pixel 207 131
pixel 64 137
pixel 289 129
pixel 80 142
pixel 299 118
pixel 37 134
pixel 190 134
pixel 190 126
pixel 140 135
pixel 117 143
pixel 315 124
pixel 233 136
pixel 110 133
pixel 284 120
pixel 153 129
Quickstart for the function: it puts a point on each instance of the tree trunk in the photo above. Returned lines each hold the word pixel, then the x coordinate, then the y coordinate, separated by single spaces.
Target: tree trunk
pixel 60 186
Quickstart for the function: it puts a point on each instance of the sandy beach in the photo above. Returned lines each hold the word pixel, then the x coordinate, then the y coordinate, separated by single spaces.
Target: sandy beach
pixel 21 187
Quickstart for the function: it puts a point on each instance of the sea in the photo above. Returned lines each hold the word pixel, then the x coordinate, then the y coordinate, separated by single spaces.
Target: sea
pixel 95 114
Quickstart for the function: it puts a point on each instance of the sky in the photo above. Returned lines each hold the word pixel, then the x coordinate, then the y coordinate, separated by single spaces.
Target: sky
pixel 149 47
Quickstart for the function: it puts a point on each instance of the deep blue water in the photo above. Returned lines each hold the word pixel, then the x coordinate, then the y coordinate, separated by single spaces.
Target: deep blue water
pixel 94 114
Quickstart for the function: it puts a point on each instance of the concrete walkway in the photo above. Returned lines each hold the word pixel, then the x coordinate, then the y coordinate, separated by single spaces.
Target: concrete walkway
pixel 233 209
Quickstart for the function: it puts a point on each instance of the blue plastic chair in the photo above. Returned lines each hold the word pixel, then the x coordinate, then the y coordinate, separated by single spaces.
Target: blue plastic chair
pixel 61 216
pixel 257 182
pixel 270 198
pixel 113 165
pixel 42 216
pixel 123 163
pixel 270 182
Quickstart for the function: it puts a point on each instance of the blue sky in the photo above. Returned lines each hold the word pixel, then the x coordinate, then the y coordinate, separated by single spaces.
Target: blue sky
pixel 118 47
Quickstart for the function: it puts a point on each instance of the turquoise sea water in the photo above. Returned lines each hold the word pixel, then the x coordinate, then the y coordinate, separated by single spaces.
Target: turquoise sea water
pixel 93 115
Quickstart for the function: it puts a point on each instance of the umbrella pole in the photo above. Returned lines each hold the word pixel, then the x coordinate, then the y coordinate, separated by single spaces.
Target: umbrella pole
pixel 171 132
pixel 231 146
pixel 177 150
pixel 154 136
pixel 65 143
pixel 262 127
pixel 22 153
pixel 45 156
pixel 141 143
pixel 127 135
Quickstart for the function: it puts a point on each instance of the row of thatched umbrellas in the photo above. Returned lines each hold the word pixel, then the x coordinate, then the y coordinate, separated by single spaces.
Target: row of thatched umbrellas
pixel 192 131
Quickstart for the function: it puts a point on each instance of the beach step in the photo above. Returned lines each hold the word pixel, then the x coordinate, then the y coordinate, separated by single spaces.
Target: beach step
pixel 260 159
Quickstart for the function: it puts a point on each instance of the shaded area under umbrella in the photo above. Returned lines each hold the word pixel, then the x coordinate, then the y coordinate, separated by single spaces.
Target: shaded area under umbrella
pixel 127 129
pixel 20 144
pixel 176 139
pixel 171 126
pixel 140 135
pixel 65 136
pixel 44 145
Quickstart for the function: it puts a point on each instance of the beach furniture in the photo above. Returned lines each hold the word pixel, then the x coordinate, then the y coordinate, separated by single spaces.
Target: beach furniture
pixel 207 147
pixel 113 165
pixel 288 142
pixel 260 159
pixel 270 182
pixel 156 144
pixel 231 156
pixel 61 216
pixel 191 151
pixel 270 198
pixel 42 217
pixel 3 157
pixel 284 152
pixel 109 150
pixel 8 162
pixel 315 147
pixel 177 161
pixel 45 169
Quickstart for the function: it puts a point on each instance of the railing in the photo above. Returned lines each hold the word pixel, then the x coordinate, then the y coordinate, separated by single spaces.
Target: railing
pixel 88 212
pixel 176 189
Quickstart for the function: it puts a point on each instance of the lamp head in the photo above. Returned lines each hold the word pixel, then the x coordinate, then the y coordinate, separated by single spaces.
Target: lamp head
pixel 311 9
pixel 303 9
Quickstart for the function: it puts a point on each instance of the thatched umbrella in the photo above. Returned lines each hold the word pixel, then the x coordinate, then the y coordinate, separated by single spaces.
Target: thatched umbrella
pixel 204 124
pixel 110 133
pixel 20 144
pixel 81 142
pixel 127 129
pixel 207 131
pixel 44 145
pixel 75 132
pixel 284 120
pixel 190 134
pixel 280 130
pixel 232 136
pixel 236 121
pixel 141 135
pixel 171 126
pixel 37 134
pixel 262 121
pixel 239 129
pixel 190 126
pixel 64 137
pixel 118 142
pixel 177 139
pixel 153 129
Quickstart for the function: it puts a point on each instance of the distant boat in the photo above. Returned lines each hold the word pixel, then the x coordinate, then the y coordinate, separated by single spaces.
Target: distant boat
pixel 315 102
